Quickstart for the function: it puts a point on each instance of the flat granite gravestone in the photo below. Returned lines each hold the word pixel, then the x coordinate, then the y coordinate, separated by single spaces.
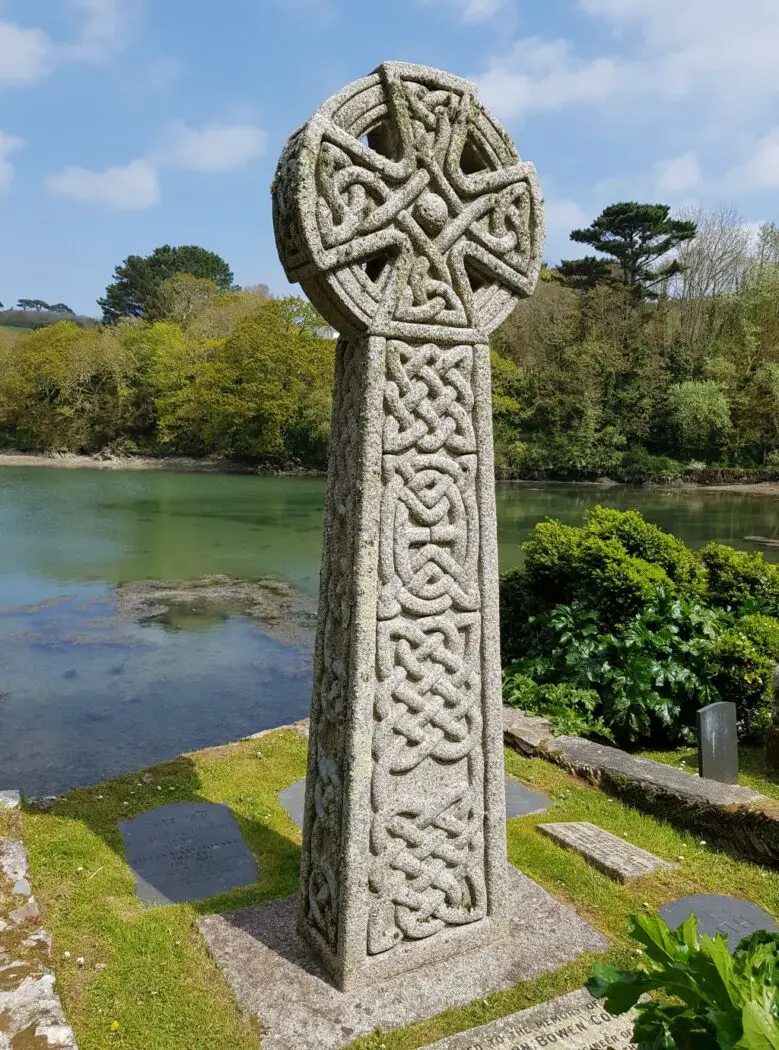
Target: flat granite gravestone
pixel 718 742
pixel 405 213
pixel 275 977
pixel 606 852
pixel 187 851
pixel 520 801
pixel 718 914
pixel 572 1022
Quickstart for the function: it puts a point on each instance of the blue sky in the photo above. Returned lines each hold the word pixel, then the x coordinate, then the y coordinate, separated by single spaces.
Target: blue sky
pixel 125 124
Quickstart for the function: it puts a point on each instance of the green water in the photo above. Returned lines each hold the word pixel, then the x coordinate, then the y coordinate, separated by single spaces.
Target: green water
pixel 87 696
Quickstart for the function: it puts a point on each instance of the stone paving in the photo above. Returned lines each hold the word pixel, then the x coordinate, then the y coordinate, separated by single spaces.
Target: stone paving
pixel 31 1016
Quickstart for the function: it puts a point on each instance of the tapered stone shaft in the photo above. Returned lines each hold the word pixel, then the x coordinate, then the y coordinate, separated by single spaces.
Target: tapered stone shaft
pixel 405 213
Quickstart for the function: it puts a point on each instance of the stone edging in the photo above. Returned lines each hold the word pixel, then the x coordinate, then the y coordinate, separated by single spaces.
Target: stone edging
pixel 737 817
pixel 30 1008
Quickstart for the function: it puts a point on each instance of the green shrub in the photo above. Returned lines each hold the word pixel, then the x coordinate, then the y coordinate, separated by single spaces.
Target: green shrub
pixel 651 674
pixel 615 582
pixel 642 539
pixel 638 465
pixel 744 675
pixel 741 579
pixel 570 710
pixel 710 1000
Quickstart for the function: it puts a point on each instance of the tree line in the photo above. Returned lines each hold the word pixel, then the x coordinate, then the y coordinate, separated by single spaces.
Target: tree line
pixel 661 349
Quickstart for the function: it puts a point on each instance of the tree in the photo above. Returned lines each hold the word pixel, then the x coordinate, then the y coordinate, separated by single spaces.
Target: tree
pixel 136 281
pixel 25 304
pixel 60 308
pixel 584 274
pixel 638 237
pixel 699 416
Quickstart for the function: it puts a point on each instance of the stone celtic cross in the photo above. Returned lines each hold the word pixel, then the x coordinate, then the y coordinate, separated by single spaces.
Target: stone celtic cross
pixel 404 211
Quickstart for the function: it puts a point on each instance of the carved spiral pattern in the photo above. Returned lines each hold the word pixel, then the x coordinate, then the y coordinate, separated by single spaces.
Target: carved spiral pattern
pixel 428 863
pixel 403 203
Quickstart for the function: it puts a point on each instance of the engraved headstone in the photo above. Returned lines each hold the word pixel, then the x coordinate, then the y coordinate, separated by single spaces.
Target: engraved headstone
pixel 404 211
pixel 612 855
pixel 187 851
pixel 718 914
pixel 718 742
pixel 572 1022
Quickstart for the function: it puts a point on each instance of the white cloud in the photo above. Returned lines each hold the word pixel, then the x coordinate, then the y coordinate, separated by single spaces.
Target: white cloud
pixel 678 173
pixel 26 55
pixel 102 27
pixel 216 147
pixel 542 76
pixel 132 187
pixel 721 54
pixel 8 144
pixel 562 216
pixel 761 170
pixel 471 11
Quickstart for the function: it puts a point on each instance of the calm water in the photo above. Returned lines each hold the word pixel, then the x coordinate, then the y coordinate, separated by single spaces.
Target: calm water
pixel 86 693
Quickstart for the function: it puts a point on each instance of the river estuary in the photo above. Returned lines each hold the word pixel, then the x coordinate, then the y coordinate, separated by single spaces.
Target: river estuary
pixel 103 671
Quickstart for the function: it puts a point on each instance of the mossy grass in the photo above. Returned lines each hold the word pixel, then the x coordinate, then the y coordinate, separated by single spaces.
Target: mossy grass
pixel 754 770
pixel 160 984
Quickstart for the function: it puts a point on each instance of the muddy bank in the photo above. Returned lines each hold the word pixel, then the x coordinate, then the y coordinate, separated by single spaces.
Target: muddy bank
pixel 172 464
pixel 283 612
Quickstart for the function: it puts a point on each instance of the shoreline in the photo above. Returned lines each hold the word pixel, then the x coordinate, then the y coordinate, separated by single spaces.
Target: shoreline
pixel 169 464
pixel 222 465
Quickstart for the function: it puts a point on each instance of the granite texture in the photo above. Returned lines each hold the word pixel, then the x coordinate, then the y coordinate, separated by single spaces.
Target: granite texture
pixel 571 1022
pixel 520 801
pixel 275 976
pixel 404 211
pixel 187 851
pixel 739 819
pixel 719 914
pixel 613 856
pixel 31 1016
pixel 10 799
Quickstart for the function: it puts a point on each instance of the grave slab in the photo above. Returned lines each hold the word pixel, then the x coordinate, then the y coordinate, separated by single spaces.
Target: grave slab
pixel 187 851
pixel 718 742
pixel 520 801
pixel 572 1022
pixel 613 856
pixel 275 976
pixel 719 914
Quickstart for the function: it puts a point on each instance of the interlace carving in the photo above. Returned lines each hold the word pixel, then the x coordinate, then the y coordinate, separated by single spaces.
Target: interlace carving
pixel 419 210
pixel 428 860
pixel 333 656
pixel 406 214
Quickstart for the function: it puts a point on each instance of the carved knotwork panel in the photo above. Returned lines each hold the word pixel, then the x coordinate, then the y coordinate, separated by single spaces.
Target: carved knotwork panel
pixel 402 203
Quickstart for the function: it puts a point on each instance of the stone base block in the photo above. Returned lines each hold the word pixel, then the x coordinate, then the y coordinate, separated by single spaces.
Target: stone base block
pixel 273 975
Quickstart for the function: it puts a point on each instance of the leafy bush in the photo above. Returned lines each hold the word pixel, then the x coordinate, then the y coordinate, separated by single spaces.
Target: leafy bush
pixel 712 1000
pixel 745 672
pixel 620 607
pixel 651 674
pixel 741 579
pixel 570 710
pixel 638 465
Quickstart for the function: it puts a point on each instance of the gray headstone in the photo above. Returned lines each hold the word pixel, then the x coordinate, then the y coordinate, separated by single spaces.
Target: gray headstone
pixel 612 855
pixel 716 914
pixel 571 1022
pixel 520 801
pixel 718 742
pixel 406 214
pixel 187 851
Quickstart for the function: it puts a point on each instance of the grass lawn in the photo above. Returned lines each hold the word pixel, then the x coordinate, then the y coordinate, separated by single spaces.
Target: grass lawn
pixel 753 771
pixel 14 333
pixel 160 984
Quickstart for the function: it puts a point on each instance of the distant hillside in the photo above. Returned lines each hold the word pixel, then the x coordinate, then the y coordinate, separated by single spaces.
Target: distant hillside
pixel 29 319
